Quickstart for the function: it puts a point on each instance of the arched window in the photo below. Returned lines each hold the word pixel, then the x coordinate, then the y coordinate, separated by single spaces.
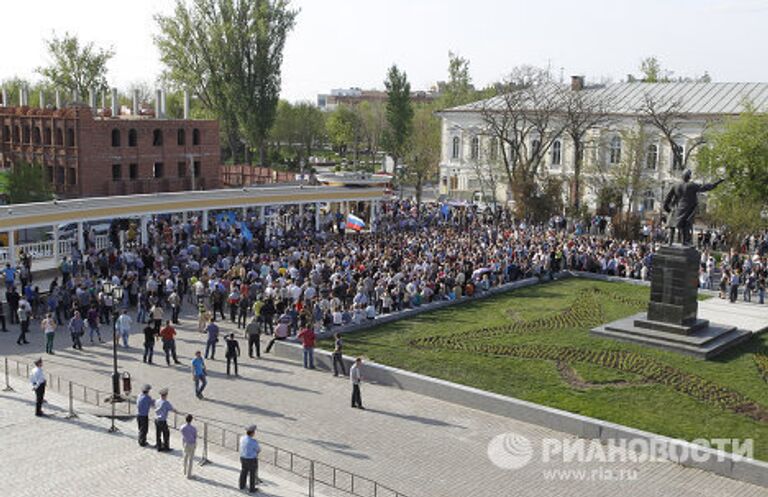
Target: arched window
pixel 115 137
pixel 474 151
pixel 455 148
pixel 557 152
pixel 652 156
pixel 70 137
pixel 132 140
pixel 535 147
pixel 17 134
pixel 678 155
pixel 157 138
pixel 614 151
pixel 181 137
pixel 47 136
pixel 36 136
pixel 649 201
pixel 25 134
pixel 195 136
pixel 59 137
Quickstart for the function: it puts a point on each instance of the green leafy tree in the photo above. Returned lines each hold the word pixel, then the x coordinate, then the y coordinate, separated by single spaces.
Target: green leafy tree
pixel 230 53
pixel 344 129
pixel 738 152
pixel 76 66
pixel 26 183
pixel 399 112
pixel 423 154
pixel 458 90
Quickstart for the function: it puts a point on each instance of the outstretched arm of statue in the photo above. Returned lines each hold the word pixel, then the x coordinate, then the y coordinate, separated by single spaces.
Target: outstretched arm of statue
pixel 711 186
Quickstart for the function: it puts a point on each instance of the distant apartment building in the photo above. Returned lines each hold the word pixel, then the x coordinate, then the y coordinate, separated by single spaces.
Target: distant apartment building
pixel 354 96
pixel 89 151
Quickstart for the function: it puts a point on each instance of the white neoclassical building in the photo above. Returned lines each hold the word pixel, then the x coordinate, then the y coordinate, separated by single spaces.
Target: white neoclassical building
pixel 470 166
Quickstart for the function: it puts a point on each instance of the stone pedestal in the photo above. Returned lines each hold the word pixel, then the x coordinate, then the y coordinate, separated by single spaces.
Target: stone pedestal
pixel 671 321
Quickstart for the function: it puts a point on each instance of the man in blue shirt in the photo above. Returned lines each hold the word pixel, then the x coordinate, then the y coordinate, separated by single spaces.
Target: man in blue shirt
pixel 249 459
pixel 199 374
pixel 143 403
pixel 213 337
pixel 162 409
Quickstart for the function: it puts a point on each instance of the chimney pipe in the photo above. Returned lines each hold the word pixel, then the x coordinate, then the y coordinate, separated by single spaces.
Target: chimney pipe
pixel 186 104
pixel 135 108
pixel 5 98
pixel 21 96
pixel 162 103
pixel 42 99
pixel 577 83
pixel 92 99
pixel 103 100
pixel 58 99
pixel 75 96
pixel 158 108
pixel 115 107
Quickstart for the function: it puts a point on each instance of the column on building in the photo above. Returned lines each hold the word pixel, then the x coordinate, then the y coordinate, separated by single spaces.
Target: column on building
pixel 374 215
pixel 56 252
pixel 317 216
pixel 80 237
pixel 205 220
pixel 12 248
pixel 144 231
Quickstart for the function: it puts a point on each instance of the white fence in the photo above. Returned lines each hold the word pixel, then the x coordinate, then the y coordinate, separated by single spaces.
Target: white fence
pixel 44 250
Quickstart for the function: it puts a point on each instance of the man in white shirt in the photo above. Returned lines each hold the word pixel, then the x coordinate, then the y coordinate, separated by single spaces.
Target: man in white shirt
pixel 37 379
pixel 356 377
pixel 123 324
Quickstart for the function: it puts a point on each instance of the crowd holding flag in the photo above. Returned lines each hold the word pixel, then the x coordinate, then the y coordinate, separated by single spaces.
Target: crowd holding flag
pixel 355 223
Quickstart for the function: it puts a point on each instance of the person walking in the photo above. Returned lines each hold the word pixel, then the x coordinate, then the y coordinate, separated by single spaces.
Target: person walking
pixel 24 313
pixel 189 442
pixel 338 361
pixel 93 323
pixel 2 317
pixel 233 352
pixel 212 330
pixel 249 459
pixel 168 336
pixel 13 298
pixel 49 329
pixel 253 332
pixel 143 403
pixel 156 313
pixel 356 377
pixel 162 408
pixel 199 374
pixel 307 338
pixel 76 328
pixel 175 302
pixel 149 343
pixel 37 379
pixel 123 325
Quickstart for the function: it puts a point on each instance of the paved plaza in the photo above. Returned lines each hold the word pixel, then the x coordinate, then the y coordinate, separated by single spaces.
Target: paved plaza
pixel 59 457
pixel 419 446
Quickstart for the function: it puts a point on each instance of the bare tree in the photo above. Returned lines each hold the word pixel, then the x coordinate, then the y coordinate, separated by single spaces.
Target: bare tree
pixel 582 112
pixel 526 118
pixel 667 117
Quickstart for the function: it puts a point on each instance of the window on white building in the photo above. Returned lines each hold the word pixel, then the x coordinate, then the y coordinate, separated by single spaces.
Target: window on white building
pixel 677 158
pixel 649 201
pixel 455 149
pixel 652 156
pixel 535 146
pixel 614 150
pixel 557 153
pixel 494 149
pixel 474 151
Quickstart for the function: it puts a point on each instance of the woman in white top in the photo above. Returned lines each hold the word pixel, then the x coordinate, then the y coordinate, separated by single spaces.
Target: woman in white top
pixel 49 328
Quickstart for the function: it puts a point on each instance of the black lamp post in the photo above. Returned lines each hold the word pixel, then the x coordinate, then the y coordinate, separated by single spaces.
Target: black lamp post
pixel 117 295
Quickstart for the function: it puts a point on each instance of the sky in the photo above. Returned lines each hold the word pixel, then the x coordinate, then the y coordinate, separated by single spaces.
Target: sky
pixel 351 43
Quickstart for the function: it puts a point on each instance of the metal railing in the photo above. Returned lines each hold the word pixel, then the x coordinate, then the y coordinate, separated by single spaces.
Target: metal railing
pixel 316 473
pixel 44 249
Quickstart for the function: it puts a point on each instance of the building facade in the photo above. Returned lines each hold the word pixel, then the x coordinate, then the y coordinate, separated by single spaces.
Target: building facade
pixel 471 166
pixel 86 155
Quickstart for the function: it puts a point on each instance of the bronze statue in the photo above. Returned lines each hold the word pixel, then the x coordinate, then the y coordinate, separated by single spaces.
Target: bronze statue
pixel 683 198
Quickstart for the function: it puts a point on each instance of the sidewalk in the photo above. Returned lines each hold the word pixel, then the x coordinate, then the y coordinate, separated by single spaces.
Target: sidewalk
pixel 59 457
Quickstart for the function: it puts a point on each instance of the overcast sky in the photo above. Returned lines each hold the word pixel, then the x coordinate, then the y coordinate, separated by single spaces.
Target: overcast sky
pixel 344 43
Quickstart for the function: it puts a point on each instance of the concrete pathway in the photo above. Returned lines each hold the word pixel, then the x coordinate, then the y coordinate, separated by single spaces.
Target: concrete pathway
pixel 59 457
pixel 749 316
pixel 417 445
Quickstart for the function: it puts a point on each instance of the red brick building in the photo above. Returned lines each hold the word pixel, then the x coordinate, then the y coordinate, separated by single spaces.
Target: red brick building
pixel 244 175
pixel 86 155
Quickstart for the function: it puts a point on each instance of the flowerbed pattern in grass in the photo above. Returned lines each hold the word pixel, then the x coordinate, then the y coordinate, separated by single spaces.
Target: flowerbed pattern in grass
pixel 586 311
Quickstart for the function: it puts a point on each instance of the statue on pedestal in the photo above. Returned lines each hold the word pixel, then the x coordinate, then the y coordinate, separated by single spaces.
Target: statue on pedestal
pixel 681 203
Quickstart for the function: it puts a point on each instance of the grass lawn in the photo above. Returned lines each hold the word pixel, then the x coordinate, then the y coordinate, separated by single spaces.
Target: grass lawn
pixel 534 344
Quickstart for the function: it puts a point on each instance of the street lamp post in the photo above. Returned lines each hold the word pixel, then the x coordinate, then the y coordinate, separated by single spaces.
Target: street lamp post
pixel 117 296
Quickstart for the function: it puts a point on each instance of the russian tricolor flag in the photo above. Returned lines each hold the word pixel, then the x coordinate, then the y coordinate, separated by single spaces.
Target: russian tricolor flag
pixel 355 223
